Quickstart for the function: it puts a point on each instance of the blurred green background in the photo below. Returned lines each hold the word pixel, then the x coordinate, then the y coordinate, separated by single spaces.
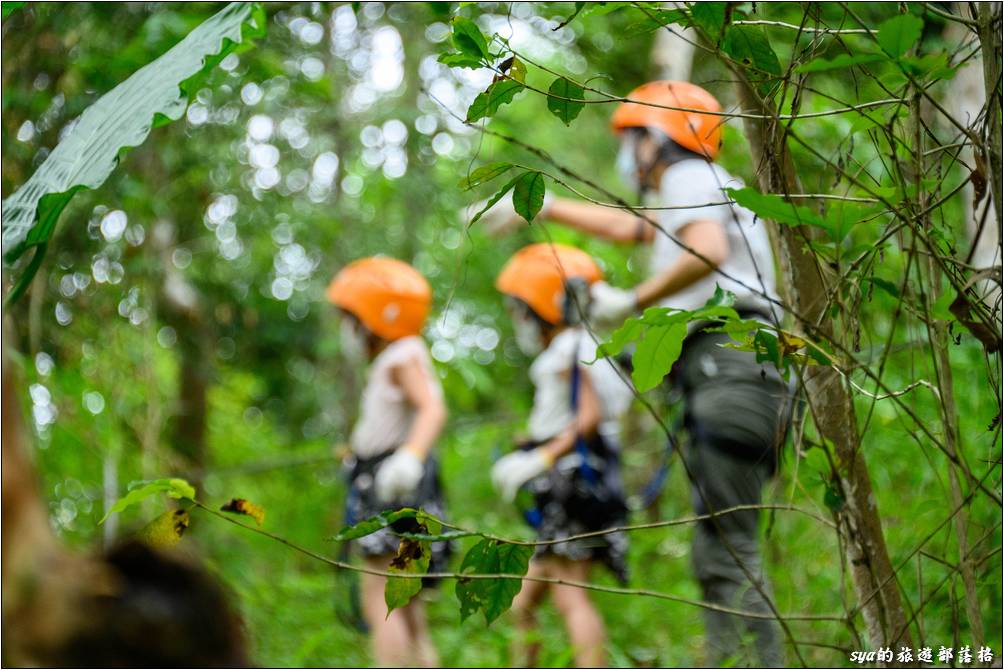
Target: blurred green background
pixel 178 325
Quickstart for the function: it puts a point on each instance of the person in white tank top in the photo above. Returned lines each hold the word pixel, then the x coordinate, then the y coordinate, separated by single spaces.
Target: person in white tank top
pixel 384 303
pixel 570 467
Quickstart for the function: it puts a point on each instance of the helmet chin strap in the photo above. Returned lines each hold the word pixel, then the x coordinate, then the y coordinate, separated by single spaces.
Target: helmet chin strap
pixel 645 169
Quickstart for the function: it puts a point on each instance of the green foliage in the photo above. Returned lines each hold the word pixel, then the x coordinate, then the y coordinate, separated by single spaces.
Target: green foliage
pixel 841 62
pixel 174 487
pixel 528 194
pixel 484 174
pixel 775 208
pixel 897 35
pixel 709 17
pixel 496 95
pixel 121 119
pixel 412 559
pixel 467 38
pixel 563 99
pixel 492 596
pixel 659 334
pixel 373 524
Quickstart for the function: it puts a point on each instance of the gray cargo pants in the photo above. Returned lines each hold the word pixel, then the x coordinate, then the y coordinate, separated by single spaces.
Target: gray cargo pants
pixel 736 411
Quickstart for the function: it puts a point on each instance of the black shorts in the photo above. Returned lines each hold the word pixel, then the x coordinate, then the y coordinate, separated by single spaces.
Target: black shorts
pixel 362 503
pixel 569 501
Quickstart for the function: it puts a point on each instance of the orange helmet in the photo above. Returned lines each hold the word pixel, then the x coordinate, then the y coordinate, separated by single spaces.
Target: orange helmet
pixel 389 296
pixel 701 133
pixel 536 274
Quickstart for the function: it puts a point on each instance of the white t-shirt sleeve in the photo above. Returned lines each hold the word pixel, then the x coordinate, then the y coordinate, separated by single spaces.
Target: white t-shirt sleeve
pixel 694 189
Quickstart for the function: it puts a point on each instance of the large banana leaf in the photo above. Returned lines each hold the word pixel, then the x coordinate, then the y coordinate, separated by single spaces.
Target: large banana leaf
pixel 154 95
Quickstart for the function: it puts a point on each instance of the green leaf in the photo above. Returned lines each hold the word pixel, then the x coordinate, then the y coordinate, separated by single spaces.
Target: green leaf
pixel 528 195
pixel 412 559
pixel 455 59
pixel 174 487
pixel 483 174
pixel 885 285
pixel 709 17
pixel 517 70
pixel 165 531
pixel 489 101
pixel 655 21
pixel 468 39
pixel 492 596
pixel 930 67
pixel 657 350
pixel 373 524
pixel 841 62
pixel 9 8
pixel 121 119
pixel 721 298
pixel 749 45
pixel 777 209
pixel 562 99
pixel 494 199
pixel 898 34
pixel 629 331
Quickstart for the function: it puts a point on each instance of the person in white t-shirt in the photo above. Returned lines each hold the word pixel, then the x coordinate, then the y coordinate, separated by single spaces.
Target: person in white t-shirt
pixel 735 409
pixel 568 471
pixel 384 303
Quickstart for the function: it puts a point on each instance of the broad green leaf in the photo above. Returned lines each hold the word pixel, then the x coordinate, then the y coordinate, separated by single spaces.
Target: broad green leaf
pixel 655 21
pixel 122 118
pixel 484 174
pixel 629 331
pixel 375 523
pixel 709 17
pixel 165 531
pixel 563 99
pixel 657 350
pixel 458 59
pixel 777 209
pixel 468 39
pixel 492 596
pixel 412 559
pixel 489 101
pixel 930 67
pixel 528 195
pixel 494 199
pixel 174 487
pixel 841 62
pixel 749 45
pixel 898 34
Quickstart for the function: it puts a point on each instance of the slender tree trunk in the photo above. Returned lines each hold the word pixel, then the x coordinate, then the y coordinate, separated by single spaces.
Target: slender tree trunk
pixel 989 19
pixel 858 519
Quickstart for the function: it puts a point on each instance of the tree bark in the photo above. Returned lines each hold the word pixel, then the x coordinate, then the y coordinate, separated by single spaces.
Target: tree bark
pixel 857 518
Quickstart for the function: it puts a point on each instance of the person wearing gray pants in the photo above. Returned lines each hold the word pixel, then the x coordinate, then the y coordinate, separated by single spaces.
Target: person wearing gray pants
pixel 670 136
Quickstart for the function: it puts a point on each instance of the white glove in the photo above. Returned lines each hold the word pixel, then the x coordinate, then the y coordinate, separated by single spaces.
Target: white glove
pixel 501 218
pixel 515 469
pixel 398 475
pixel 609 305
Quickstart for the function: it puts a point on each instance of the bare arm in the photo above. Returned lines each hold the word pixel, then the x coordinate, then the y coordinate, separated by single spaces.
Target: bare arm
pixel 587 420
pixel 430 412
pixel 706 237
pixel 606 223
